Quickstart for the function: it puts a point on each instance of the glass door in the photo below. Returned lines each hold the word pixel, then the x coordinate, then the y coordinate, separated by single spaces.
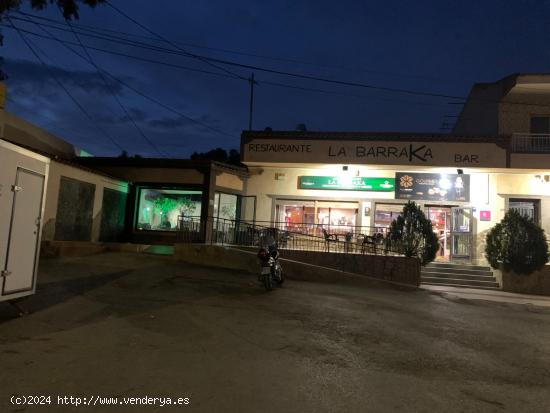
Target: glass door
pixel 461 232
pixel 440 216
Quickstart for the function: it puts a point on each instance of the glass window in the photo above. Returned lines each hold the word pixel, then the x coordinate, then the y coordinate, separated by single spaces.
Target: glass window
pixel 295 215
pixel 312 216
pixel 384 214
pixel 225 206
pixel 528 207
pixel 540 124
pixel 159 209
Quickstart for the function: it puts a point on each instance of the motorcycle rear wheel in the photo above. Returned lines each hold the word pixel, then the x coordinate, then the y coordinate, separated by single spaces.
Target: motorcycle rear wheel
pixel 268 282
pixel 281 278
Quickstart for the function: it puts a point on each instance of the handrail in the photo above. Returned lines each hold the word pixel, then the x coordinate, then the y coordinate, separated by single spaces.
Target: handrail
pixel 249 233
pixel 530 143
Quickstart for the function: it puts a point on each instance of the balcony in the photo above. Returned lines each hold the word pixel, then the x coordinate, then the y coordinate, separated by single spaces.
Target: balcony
pixel 530 143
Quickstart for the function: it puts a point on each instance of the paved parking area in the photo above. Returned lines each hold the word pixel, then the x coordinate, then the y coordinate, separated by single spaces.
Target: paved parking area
pixel 135 325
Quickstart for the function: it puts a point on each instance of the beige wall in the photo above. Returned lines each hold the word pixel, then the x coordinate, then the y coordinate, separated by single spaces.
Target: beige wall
pixel 172 175
pixel 229 181
pixel 479 115
pixel 531 161
pixel 515 118
pixel 488 192
pixel 57 170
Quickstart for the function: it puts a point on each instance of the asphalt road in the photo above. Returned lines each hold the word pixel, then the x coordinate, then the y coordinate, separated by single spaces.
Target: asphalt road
pixel 130 325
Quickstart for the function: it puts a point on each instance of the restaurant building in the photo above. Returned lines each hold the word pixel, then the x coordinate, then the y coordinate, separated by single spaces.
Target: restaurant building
pixel 497 158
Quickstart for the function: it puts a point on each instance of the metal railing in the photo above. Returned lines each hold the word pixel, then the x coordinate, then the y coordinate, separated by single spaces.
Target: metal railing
pixel 530 143
pixel 250 234
pixel 319 229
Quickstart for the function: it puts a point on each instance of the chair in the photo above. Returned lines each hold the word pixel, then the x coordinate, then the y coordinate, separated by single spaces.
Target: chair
pixel 329 238
pixel 380 240
pixel 284 237
pixel 368 244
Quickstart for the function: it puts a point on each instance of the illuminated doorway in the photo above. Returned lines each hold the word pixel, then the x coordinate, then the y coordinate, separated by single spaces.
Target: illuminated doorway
pixel 440 216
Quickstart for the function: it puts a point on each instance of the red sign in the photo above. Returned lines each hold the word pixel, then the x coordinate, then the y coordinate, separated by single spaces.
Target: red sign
pixel 484 215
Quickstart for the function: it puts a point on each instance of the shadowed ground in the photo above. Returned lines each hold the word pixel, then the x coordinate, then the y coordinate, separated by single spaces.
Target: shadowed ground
pixel 140 325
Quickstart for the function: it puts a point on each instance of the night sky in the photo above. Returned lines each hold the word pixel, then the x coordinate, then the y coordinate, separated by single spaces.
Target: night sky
pixel 430 46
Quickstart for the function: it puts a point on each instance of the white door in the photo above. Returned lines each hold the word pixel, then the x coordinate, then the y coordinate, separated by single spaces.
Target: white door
pixel 22 254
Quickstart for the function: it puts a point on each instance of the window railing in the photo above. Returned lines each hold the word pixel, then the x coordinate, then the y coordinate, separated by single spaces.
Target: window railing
pixel 530 143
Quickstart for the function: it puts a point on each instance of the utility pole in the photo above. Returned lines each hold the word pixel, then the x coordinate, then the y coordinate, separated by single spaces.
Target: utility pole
pixel 252 82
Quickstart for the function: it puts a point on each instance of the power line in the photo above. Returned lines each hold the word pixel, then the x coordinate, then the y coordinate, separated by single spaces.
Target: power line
pixel 279 84
pixel 102 30
pixel 168 64
pixel 77 104
pixel 269 83
pixel 114 95
pixel 274 71
pixel 262 82
pixel 311 77
pixel 159 103
pixel 193 55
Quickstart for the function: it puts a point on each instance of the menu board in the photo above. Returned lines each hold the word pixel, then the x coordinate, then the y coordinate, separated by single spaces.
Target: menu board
pixel 432 187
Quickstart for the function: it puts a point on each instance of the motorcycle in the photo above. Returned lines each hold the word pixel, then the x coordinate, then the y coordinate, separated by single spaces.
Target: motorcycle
pixel 272 271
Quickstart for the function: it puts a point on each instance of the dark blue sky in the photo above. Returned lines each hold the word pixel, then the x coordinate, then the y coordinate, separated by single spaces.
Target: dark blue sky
pixel 434 46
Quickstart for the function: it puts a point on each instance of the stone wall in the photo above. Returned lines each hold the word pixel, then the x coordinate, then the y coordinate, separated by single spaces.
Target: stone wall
pixel 535 283
pixel 309 265
pixel 397 269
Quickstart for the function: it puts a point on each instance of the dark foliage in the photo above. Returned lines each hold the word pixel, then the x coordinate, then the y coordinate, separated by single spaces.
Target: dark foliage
pixel 68 7
pixel 412 234
pixel 219 155
pixel 516 244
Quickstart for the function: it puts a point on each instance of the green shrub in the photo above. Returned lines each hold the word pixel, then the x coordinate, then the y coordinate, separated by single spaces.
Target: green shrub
pixel 412 234
pixel 516 244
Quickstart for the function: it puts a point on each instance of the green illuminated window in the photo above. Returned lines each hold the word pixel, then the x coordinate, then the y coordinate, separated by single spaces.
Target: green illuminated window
pixel 159 209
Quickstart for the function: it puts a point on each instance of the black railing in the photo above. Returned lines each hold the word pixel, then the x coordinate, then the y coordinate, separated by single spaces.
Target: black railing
pixel 319 229
pixel 251 234
pixel 530 143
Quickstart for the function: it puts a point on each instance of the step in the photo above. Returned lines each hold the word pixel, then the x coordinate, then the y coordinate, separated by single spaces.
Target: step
pixel 458 281
pixel 457 265
pixel 459 276
pixel 461 286
pixel 448 270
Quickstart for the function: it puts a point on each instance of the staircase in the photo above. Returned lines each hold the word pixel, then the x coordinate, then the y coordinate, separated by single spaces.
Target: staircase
pixel 459 275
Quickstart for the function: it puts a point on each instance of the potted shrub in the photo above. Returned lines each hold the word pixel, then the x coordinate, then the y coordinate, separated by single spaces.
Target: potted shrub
pixel 412 234
pixel 516 244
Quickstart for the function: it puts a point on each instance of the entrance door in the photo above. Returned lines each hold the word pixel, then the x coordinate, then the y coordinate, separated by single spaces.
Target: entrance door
pixel 440 216
pixel 461 232
pixel 19 273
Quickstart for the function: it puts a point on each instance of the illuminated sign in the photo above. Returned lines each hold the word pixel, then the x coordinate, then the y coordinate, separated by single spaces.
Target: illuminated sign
pixel 432 187
pixel 351 183
pixel 374 152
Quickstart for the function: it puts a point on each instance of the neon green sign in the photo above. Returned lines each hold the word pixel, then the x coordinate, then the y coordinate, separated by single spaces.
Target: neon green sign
pixel 346 183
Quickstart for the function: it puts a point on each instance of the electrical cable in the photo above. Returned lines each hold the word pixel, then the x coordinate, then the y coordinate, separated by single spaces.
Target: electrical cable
pixel 193 55
pixel 73 99
pixel 311 77
pixel 261 82
pixel 101 30
pixel 142 94
pixel 114 95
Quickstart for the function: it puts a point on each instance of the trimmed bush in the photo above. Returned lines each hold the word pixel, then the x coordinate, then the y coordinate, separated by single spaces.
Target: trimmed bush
pixel 516 244
pixel 412 234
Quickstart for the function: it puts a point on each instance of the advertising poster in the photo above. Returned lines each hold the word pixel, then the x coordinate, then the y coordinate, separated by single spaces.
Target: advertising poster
pixel 432 187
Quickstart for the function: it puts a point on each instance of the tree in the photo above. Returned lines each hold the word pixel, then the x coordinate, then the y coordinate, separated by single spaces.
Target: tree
pixel 412 234
pixel 516 244
pixel 68 7
pixel 219 155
